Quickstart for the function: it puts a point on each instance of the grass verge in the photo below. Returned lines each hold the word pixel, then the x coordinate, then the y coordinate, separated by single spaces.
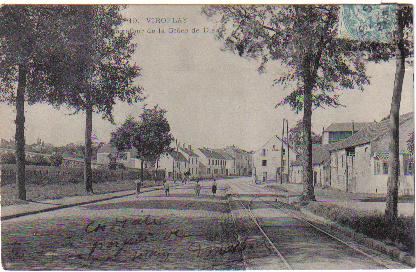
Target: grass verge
pixel 372 224
pixel 37 192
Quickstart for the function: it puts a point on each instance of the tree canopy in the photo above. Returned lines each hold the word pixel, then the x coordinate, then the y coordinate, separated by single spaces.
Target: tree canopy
pixel 95 69
pixel 304 39
pixel 150 135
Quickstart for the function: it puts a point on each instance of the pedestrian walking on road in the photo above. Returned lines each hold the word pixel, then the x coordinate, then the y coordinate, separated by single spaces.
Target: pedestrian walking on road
pixel 214 187
pixel 166 187
pixel 138 186
pixel 197 188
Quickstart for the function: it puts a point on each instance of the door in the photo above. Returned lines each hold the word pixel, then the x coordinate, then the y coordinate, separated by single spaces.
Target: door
pixel 264 176
pixel 350 175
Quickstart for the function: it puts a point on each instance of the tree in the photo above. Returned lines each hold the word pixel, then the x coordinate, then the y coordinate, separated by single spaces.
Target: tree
pixel 296 137
pixel 150 135
pixel 8 158
pixel 403 50
pixel 31 38
pixel 304 39
pixel 56 159
pixel 98 71
pixel 39 160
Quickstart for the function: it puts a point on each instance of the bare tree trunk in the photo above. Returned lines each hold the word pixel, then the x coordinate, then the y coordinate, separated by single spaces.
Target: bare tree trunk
pixel 88 151
pixel 394 160
pixel 20 134
pixel 139 184
pixel 308 189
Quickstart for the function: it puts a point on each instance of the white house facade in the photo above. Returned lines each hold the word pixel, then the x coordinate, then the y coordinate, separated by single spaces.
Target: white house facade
pixel 267 161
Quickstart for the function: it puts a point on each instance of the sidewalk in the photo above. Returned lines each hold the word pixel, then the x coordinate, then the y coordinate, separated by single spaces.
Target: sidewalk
pixel 359 201
pixel 33 207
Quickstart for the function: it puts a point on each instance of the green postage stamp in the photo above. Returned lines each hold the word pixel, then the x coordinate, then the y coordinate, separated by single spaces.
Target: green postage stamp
pixel 368 22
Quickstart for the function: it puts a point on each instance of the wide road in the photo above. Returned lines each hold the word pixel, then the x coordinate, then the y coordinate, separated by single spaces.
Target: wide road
pixel 180 231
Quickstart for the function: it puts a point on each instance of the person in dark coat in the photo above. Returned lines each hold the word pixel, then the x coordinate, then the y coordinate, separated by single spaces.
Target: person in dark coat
pixel 214 187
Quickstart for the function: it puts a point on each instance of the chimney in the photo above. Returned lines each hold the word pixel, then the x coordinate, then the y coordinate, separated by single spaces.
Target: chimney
pixel 190 147
pixel 183 145
pixel 352 127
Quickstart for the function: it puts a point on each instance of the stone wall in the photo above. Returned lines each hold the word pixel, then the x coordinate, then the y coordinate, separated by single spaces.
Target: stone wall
pixel 50 174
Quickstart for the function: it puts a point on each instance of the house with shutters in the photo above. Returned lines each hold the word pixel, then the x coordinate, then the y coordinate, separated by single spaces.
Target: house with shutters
pixel 359 163
pixel 174 164
pixel 242 160
pixel 211 163
pixel 193 160
pixel 230 163
pixel 270 161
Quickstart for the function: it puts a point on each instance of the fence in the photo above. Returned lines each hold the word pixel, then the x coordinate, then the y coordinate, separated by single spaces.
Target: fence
pixel 50 174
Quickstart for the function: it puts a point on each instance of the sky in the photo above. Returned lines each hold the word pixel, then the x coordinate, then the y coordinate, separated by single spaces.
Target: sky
pixel 213 98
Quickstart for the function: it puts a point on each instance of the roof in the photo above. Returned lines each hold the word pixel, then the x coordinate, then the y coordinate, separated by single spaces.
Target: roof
pixel 277 138
pixel 320 154
pixel 177 156
pixel 336 127
pixel 235 149
pixel 107 148
pixel 189 152
pixel 209 153
pixel 369 133
pixel 225 154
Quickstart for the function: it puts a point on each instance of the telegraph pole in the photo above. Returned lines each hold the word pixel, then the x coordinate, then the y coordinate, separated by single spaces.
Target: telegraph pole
pixel 282 147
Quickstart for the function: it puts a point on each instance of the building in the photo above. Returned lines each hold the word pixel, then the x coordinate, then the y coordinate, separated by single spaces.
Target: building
pixel 128 158
pixel 242 160
pixel 175 165
pixel 320 167
pixel 359 164
pixel 340 131
pixel 267 161
pixel 229 162
pixel 193 162
pixel 211 163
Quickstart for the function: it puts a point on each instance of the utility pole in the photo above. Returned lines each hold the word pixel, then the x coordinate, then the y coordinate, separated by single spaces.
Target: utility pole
pixel 282 147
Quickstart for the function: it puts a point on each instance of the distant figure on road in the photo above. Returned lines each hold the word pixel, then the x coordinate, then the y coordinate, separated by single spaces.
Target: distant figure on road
pixel 138 186
pixel 166 187
pixel 197 188
pixel 214 187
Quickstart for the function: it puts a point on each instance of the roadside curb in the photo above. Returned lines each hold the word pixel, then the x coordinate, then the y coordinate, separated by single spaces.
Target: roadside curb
pixel 363 239
pixel 64 206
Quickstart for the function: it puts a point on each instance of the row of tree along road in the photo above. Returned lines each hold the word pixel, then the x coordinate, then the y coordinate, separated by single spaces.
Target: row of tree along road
pixel 68 56
pixel 305 39
pixel 73 56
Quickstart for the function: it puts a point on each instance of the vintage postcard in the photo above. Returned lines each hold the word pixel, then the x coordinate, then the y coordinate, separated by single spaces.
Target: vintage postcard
pixel 207 137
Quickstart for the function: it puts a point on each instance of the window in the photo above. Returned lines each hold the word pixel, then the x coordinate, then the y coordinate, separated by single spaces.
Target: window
pixel 376 167
pixel 407 165
pixel 283 151
pixel 385 168
pixel 264 162
pixel 263 152
pixel 409 168
pixel 209 161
